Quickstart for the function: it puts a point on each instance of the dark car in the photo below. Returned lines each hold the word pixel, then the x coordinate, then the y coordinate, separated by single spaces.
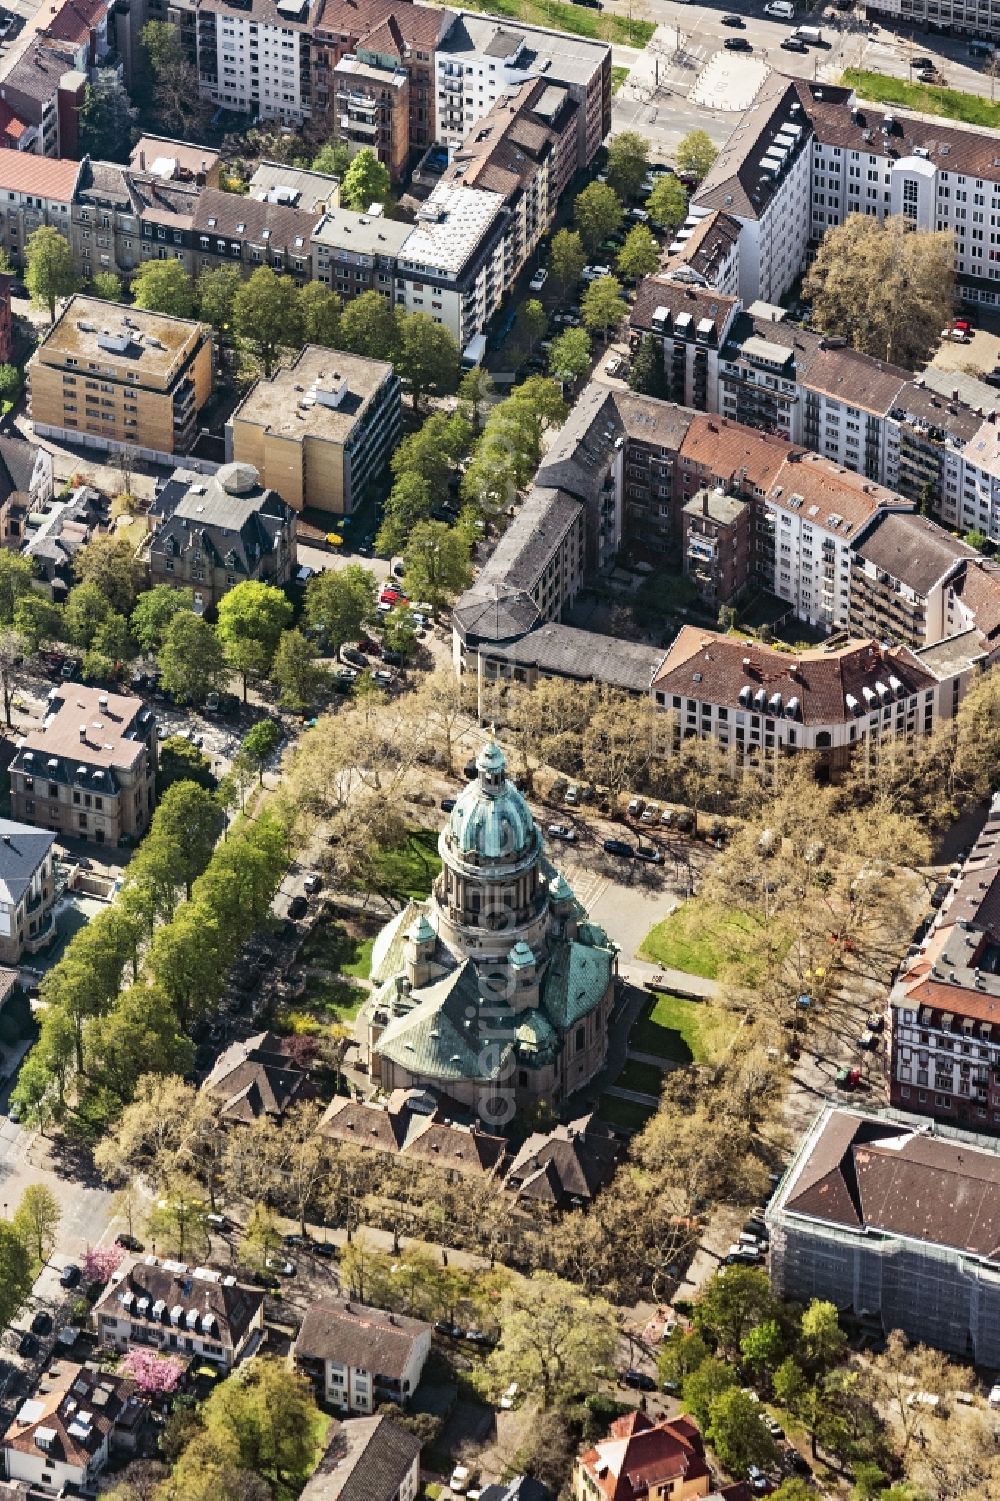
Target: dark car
pixel 638 1380
pixel 651 855
pixel 447 803
pixel 619 847
pixel 794 1463
pixel 70 1275
pixel 924 62
pixel 27 1345
pixel 129 1243
pixel 42 1322
pixel 738 44
pixel 298 907
pixel 733 21
pixel 324 1250
pixel 791 44
pixel 355 657
pixel 394 658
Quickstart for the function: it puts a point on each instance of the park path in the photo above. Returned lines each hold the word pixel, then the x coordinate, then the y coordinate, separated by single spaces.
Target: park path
pixel 694 987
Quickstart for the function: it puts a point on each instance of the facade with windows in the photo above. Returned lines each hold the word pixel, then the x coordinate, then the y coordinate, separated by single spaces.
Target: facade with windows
pixel 194 1312
pixel 254 56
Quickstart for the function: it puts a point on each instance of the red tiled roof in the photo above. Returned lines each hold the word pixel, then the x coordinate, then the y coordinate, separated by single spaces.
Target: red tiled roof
pixel 45 176
pixel 724 448
pixel 831 490
pixel 639 1455
pixel 75 20
pixel 11 125
pixel 420 25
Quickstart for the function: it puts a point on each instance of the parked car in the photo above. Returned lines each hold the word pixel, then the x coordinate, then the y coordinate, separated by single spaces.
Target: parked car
pixel 42 1322
pixel 460 1479
pixel 734 21
pixel 615 367
pixel 649 854
pixel 875 1021
pixel 281 1266
pixel 650 814
pixel 638 1380
pixel 573 794
pixel 593 273
pixel 738 44
pixel 635 807
pixel 867 1041
pixel 848 1078
pixel 312 883
pixel 562 831
pixel 773 1427
pixel 956 335
pixel 539 279
pixel 129 1243
pixel 447 803
pixel 70 1275
pixel 507 1400
pixel 27 1345
pixel 619 847
pixel 298 907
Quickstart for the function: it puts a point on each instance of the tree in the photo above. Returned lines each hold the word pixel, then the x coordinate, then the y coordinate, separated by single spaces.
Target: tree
pixel 37 620
pixel 179 1220
pixel 476 387
pixel 703 1387
pixel 319 314
pixel 107 286
pixel 266 315
pixel 110 562
pixel 823 1340
pixel 154 1375
pixel 179 105
pixel 597 214
pixel 10 384
pixel 640 255
pixel 49 272
pixel 428 357
pixel 667 204
pixel 260 743
pixel 16 574
pixel 551 1338
pixel 977 539
pixel 628 163
pixel 437 562
pixel 13 649
pixel 339 603
pixel 369 326
pixel 695 154
pixel 569 357
pixel 191 659
pixel 112 646
pixel 15 1272
pixel 603 305
pixel 334 158
pixel 737 1434
pixel 268 1412
pixel 886 287
pixel 567 259
pixel 410 501
pixel 733 1302
pixel 87 609
pixel 101 1262
pixel 680 1354
pixel 532 321
pixel 215 293
pixel 107 119
pixel 365 182
pixel 36 1220
pixel 188 822
pixel 295 671
pixel 648 375
pixel 399 633
pixel 153 612
pixel 251 619
pixel 163 287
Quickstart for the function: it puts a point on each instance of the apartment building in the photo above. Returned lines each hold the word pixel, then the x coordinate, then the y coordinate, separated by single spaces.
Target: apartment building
pixel 90 770
pixel 953 17
pixel 60 1438
pixel 176 161
pixel 895 1224
pixel 717 545
pixel 653 433
pixel 321 431
pixel 360 1356
pixel 355 253
pixel 367 1459
pixel 294 187
pixel 481 59
pixel 371 99
pixel 81 25
pixel 43 90
pixel 253 56
pixel 27 890
pixel 105 227
pixel 901 582
pixel 35 191
pixel 668 1455
pixel 455 264
pixel 221 530
pixel 706 251
pixel 194 1312
pixel 104 376
pixel 232 230
pixel 694 323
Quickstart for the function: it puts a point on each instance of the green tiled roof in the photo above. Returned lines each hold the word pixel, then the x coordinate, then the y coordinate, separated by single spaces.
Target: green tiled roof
pixel 491 819
pixel 576 979
pixel 387 950
pixel 441 1038
pixel 536 1041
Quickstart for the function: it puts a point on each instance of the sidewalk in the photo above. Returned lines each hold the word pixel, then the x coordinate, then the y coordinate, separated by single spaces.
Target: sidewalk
pixel 696 987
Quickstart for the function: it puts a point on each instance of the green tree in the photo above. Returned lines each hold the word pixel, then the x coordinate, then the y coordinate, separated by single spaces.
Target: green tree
pixel 428 357
pixel 704 1385
pixel 178 1222
pixel 399 633
pixel 640 255
pixel 339 602
pixel 319 315
pixel 16 573
pixel 979 540
pixel 10 384
pixel 409 502
pixel 334 158
pixel 628 163
pixel 49 272
pixel 260 743
pixel 570 357
pixel 139 1034
pixel 667 204
pixel 680 1354
pixel 187 824
pixel 163 287
pixel 110 562
pixel 153 612
pixel 794 1490
pixel 567 259
pixel 179 106
pixel 696 154
pixel 251 619
pixel 762 1346
pixel 732 1303
pixel 15 1272
pixel 434 450
pixel 737 1434
pixel 188 958
pixel 365 182
pixel 603 305
pixel 111 647
pixel 551 1338
pixel 36 1221
pixel 87 609
pixel 823 1340
pixel 437 562
pixel 191 659
pixel 107 286
pixel 270 1415
pixel 182 761
pixel 295 671
pixel 597 214
pixel 648 375
pixel 37 620
pixel 215 293
pixel 266 315
pixel 475 388
pixel 107 119
pixel 532 321
pixel 262 1236
pixel 369 326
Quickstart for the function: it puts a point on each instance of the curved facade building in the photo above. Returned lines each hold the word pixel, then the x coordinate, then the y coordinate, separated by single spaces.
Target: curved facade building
pixel 496 991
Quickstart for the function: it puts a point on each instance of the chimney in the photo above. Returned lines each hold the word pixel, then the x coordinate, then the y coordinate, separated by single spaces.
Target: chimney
pixel 142 161
pixel 704 502
pixel 954 395
pixel 83 734
pixel 992 418
pixel 6 839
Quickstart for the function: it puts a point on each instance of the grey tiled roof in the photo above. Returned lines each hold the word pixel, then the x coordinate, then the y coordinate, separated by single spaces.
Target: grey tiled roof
pixel 22 850
pixel 353 1334
pixel 366 1459
pixel 573 653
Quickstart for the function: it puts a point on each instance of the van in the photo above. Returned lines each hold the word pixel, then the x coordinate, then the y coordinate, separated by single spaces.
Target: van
pixel 474 352
pixel 217 1221
pixel 981 49
pixel 810 34
pixel 780 10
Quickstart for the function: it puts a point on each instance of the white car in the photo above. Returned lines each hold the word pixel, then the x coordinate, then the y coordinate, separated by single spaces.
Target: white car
pixel 507 1400
pixel 281 1266
pixel 781 10
pixel 383 678
pixel 562 831
pixel 614 367
pixel 593 273
pixel 460 1477
pixel 539 279
pixel 638 215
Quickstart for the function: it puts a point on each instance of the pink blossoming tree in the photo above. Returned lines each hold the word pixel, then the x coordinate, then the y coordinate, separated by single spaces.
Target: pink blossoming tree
pixel 101 1262
pixel 155 1375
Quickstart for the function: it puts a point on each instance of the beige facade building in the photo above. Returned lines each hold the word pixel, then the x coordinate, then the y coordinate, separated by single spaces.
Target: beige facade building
pixel 90 771
pixel 320 431
pixel 107 376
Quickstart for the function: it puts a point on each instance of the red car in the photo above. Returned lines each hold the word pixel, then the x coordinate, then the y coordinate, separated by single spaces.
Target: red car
pixel 963 325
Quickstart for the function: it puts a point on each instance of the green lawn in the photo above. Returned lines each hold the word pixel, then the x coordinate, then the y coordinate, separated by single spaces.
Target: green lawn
pixel 331 945
pixel 929 99
pixel 618 77
pixel 673 1027
pixel 622 1112
pixel 645 1078
pixel 571 18
pixel 408 873
pixel 696 937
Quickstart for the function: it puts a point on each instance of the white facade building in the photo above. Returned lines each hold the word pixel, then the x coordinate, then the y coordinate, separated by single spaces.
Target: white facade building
pixel 455 264
pixel 256 58
pixel 360 1356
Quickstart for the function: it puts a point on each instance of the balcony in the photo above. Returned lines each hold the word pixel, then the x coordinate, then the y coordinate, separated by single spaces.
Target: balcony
pixel 45 935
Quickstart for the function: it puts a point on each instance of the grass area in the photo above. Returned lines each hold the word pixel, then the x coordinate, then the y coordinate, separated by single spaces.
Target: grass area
pixel 408 873
pixel 696 937
pixel 361 965
pixel 676 1028
pixel 645 1078
pixel 571 18
pixel 930 99
pixel 331 945
pixel 618 77
pixel 623 1112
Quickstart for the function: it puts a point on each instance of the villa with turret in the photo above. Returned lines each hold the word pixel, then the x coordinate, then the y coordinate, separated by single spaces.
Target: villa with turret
pixel 497 990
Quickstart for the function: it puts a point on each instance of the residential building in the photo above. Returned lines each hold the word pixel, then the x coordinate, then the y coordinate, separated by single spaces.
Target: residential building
pixel 653 433
pixel 52 539
pixel 43 90
pixel 895 1224
pixel 219 531
pixel 497 994
pixel 454 264
pixel 25 486
pixel 482 59
pixel 360 1356
pixel 80 25
pixel 90 770
pixel 720 454
pixel 321 430
pixel 105 225
pixel 933 419
pixel 105 377
pixel 413 1124
pixel 706 252
pixel 257 1078
pixel 755 701
pixel 901 581
pixel 366 1459
pixel 294 187
pixel 255 58
pixel 567 1167
pixel 196 1312
pixel 34 191
pixel 694 323
pixel 371 98
pixel 503 648
pixel 716 546
pixel 6 318
pixel 230 229
pixel 176 161
pixel 355 253
pixel 60 1439
pixel 644 1457
pixel 27 890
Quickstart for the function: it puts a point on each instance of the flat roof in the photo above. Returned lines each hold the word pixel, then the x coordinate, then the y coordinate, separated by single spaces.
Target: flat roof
pixel 563 57
pixel 450 225
pixel 88 327
pixel 295 401
pixel 368 234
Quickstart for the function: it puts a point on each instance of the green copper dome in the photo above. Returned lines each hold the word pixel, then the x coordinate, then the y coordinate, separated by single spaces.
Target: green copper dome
pixel 491 819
